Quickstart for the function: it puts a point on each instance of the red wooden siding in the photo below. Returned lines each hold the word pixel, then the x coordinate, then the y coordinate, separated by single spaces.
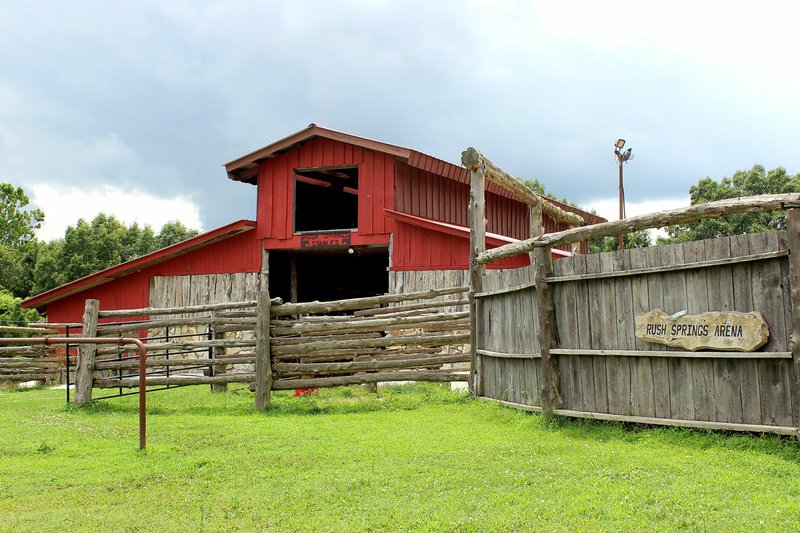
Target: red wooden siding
pixel 417 248
pixel 240 253
pixel 276 190
pixel 130 292
pixel 429 195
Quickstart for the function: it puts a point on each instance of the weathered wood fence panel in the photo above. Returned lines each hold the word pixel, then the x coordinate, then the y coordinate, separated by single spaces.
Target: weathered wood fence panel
pixel 605 369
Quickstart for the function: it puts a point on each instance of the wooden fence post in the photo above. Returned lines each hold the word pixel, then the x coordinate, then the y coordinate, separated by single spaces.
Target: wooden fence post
pixel 84 374
pixel 219 352
pixel 477 245
pixel 542 259
pixel 263 358
pixel 793 232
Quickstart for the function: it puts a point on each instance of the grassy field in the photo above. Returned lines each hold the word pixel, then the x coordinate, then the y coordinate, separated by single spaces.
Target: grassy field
pixel 418 458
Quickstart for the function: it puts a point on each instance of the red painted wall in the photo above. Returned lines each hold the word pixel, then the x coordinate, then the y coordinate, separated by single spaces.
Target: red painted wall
pixel 429 195
pixel 418 248
pixel 276 191
pixel 240 253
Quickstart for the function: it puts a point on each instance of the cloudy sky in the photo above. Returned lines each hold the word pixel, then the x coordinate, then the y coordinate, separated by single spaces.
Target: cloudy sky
pixel 131 108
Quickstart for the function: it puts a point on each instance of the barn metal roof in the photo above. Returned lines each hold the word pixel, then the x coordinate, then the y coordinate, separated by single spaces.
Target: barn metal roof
pixel 245 168
pixel 140 263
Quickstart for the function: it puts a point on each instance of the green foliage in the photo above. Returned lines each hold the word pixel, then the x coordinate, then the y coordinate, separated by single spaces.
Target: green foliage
pixel 743 183
pixel 11 314
pixel 417 458
pixel 17 239
pixel 17 224
pixel 636 239
pixel 173 232
pixel 538 187
pixel 89 247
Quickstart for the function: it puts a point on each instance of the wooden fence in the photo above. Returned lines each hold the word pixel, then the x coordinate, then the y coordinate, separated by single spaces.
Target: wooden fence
pixel 274 345
pixel 565 342
pixel 605 370
pixel 20 363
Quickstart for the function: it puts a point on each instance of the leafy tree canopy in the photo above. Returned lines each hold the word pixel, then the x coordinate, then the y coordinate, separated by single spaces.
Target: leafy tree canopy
pixel 743 183
pixel 89 247
pixel 637 239
pixel 11 314
pixel 17 224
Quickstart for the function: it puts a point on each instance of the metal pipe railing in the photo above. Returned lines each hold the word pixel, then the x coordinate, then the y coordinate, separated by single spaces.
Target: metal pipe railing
pixel 141 348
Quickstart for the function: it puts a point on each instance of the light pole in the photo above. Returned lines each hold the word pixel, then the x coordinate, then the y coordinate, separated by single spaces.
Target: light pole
pixel 622 157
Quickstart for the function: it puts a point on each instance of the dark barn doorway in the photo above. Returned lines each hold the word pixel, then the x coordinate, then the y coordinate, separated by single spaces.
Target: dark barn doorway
pixel 308 275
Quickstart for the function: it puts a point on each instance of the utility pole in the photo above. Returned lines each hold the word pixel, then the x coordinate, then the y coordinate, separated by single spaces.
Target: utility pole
pixel 622 157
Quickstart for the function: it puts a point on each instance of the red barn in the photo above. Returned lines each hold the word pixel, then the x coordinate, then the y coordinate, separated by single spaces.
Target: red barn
pixel 335 213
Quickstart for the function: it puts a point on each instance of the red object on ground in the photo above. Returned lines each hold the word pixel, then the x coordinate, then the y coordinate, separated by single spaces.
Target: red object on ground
pixel 305 392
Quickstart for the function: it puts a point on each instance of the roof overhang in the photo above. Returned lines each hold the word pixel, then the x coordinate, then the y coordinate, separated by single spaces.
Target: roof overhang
pixel 493 239
pixel 245 168
pixel 140 263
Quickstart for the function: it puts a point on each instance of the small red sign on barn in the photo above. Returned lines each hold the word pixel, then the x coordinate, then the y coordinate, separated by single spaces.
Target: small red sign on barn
pixel 325 239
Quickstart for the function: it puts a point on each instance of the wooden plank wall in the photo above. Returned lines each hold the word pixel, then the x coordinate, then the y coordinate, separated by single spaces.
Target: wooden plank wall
pixel 597 312
pixel 179 291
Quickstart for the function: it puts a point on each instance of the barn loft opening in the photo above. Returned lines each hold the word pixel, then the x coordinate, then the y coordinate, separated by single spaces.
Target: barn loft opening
pixel 305 276
pixel 326 199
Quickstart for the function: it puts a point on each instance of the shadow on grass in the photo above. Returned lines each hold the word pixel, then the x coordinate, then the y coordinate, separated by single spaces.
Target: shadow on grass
pixel 239 401
pixel 784 447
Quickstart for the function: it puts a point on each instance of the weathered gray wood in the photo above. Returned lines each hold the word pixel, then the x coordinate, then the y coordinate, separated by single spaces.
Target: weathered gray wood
pixel 132 363
pixel 378 324
pixel 421 340
pixel 767 278
pixel 793 235
pixel 674 354
pixel 581 309
pixel 506 355
pixel 372 365
pixel 219 353
pixel 668 268
pixel 180 344
pixel 154 311
pixel 263 355
pixel 406 310
pixel 477 245
pixel 177 379
pixel 109 331
pixel 474 161
pixel 359 303
pixel 749 204
pixel 84 374
pixel 377 377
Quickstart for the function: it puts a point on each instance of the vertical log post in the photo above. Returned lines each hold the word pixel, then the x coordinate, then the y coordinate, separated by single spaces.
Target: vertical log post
pixel 219 352
pixel 542 260
pixel 84 374
pixel 477 245
pixel 263 357
pixel 793 231
pixel 263 276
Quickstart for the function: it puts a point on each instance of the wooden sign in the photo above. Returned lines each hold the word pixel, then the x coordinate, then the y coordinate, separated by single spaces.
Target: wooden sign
pixel 333 239
pixel 725 331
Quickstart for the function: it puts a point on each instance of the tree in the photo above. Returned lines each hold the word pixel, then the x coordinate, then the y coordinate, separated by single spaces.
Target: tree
pixel 17 239
pixel 173 232
pixel 635 239
pixel 11 314
pixel 17 225
pixel 743 183
pixel 88 247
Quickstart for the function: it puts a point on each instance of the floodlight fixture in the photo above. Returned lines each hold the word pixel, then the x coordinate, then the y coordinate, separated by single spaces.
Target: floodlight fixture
pixel 620 143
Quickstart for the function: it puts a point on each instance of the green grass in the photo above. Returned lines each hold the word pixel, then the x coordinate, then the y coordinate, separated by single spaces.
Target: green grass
pixel 418 458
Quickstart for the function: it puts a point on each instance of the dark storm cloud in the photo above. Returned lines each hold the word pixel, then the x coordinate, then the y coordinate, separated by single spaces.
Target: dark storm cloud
pixel 160 94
